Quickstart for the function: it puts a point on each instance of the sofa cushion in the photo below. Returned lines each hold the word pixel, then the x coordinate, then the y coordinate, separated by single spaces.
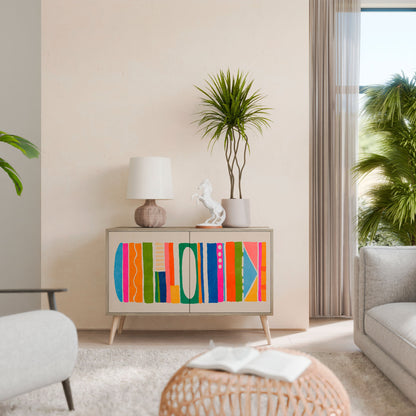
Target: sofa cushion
pixel 393 328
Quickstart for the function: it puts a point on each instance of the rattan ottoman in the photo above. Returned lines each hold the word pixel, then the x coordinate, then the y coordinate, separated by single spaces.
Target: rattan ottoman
pixel 193 391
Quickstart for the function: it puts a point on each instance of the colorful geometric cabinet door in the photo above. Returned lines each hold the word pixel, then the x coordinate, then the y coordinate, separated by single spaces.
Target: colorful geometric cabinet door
pixel 230 272
pixel 145 274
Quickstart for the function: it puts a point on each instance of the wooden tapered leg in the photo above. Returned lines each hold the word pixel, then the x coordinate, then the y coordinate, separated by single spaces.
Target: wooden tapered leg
pixel 116 321
pixel 121 325
pixel 68 394
pixel 265 322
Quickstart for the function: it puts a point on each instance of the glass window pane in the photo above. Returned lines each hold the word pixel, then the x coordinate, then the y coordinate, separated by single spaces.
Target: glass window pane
pixel 387 45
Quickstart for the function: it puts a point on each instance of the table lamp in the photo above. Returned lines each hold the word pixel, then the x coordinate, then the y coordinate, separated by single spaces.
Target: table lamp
pixel 150 178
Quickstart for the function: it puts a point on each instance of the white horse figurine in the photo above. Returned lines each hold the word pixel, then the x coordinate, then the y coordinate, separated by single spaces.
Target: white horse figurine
pixel 215 208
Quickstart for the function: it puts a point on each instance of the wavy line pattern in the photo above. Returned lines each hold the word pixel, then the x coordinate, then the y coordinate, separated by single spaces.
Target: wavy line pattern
pixel 135 272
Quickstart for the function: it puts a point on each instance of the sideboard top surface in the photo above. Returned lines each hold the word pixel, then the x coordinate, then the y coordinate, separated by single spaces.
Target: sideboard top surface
pixel 188 229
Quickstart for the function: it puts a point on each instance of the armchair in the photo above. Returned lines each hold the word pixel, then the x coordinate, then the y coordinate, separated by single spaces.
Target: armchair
pixel 385 312
pixel 37 349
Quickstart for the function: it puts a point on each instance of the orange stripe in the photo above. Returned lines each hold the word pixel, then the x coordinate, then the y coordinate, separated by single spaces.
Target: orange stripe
pixel 139 277
pixel 171 265
pixel 230 267
pixel 174 294
pixel 263 272
pixel 253 292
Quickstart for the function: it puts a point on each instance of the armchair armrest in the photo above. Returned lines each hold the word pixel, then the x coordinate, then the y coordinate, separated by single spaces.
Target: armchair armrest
pixel 386 275
pixel 50 292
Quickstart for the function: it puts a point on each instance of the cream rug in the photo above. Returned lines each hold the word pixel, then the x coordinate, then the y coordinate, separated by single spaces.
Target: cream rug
pixel 113 381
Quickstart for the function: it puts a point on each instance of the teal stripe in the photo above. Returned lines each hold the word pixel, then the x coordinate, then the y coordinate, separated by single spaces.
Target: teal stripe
pixel 118 272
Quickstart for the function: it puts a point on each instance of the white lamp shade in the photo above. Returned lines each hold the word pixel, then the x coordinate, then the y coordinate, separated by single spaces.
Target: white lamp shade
pixel 150 178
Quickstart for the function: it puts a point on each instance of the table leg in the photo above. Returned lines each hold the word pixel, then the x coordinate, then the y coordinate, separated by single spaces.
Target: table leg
pixel 116 321
pixel 51 299
pixel 266 328
pixel 121 325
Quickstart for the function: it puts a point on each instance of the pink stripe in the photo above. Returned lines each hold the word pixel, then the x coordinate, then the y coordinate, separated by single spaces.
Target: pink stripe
pixel 259 272
pixel 220 250
pixel 167 272
pixel 125 272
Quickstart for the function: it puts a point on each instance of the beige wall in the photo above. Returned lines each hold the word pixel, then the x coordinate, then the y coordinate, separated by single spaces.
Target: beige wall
pixel 20 114
pixel 118 81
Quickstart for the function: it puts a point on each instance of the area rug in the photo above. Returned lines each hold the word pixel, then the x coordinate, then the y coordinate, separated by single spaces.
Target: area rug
pixel 113 381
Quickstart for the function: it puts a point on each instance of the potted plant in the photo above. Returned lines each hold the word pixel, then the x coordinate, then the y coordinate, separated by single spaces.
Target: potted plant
pixel 390 206
pixel 229 108
pixel 26 147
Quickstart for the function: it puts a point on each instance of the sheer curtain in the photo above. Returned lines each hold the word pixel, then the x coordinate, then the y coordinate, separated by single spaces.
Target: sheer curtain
pixel 334 40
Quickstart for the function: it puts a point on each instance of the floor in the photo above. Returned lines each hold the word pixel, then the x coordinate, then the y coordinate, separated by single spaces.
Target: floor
pixel 323 335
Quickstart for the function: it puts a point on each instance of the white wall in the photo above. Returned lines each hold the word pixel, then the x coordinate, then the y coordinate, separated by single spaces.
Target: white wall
pixel 20 114
pixel 118 81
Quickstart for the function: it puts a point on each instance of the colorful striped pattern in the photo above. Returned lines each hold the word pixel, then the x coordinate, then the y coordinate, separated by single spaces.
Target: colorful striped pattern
pixel 230 271
pixel 139 275
pixel 235 272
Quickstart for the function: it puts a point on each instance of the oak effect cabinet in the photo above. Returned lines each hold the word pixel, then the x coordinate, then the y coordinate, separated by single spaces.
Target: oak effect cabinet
pixel 188 271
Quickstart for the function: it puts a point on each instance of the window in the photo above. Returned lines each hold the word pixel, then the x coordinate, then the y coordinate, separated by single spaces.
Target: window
pixel 387 48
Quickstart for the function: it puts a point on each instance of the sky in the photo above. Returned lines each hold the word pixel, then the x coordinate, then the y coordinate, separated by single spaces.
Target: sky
pixel 388 45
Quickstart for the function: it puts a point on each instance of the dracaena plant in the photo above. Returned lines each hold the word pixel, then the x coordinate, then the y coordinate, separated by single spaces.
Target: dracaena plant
pixel 230 107
pixel 26 147
pixel 390 114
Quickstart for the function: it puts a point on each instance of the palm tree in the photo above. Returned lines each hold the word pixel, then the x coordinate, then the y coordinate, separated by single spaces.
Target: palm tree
pixel 230 107
pixel 390 113
pixel 26 147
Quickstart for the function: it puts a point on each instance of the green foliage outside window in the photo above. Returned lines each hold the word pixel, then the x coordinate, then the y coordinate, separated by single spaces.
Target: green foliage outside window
pixel 388 214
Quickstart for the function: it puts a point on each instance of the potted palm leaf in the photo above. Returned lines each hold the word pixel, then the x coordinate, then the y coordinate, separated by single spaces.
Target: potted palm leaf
pixel 390 209
pixel 230 108
pixel 26 147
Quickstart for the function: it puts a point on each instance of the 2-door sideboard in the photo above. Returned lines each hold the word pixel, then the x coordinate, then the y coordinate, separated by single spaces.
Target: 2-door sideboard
pixel 189 271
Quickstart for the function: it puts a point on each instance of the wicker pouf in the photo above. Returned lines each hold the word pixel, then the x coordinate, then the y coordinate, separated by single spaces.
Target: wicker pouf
pixel 192 391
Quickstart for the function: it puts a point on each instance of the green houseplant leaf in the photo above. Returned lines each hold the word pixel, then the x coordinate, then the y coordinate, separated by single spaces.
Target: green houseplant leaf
pixel 26 147
pixel 229 108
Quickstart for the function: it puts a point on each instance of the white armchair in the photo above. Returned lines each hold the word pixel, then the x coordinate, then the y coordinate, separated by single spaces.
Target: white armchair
pixel 37 349
pixel 385 312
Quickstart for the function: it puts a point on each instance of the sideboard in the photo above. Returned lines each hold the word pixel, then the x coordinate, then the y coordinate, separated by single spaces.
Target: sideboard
pixel 189 271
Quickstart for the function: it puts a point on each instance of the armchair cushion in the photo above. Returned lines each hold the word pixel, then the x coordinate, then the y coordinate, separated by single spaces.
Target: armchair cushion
pixel 393 328
pixel 36 349
pixel 386 275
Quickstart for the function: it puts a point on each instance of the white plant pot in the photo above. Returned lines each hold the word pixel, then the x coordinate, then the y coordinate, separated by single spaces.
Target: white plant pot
pixel 237 212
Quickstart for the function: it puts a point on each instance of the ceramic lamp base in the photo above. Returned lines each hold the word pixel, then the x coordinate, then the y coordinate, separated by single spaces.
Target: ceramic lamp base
pixel 150 215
